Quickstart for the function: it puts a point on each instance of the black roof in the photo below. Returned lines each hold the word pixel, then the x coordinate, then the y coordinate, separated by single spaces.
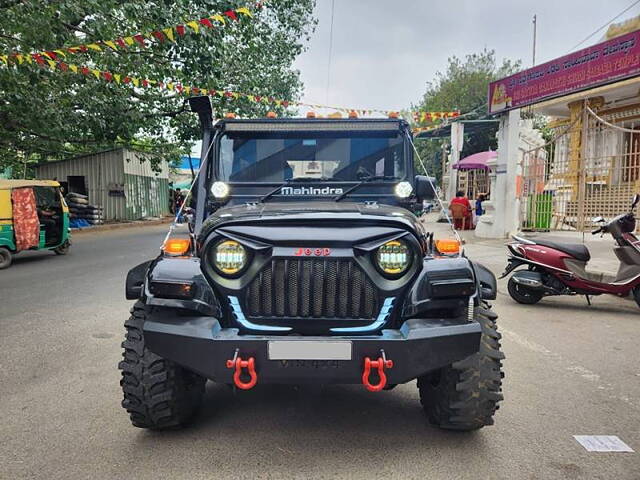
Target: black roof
pixel 312 124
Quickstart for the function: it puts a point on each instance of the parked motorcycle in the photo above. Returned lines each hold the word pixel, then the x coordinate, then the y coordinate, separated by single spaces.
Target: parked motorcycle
pixel 555 268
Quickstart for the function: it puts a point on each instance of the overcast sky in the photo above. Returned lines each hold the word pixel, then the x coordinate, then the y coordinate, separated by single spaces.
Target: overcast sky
pixel 385 51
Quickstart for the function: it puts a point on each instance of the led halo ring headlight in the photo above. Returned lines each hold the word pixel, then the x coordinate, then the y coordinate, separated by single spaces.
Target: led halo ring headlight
pixel 403 190
pixel 229 257
pixel 220 190
pixel 393 258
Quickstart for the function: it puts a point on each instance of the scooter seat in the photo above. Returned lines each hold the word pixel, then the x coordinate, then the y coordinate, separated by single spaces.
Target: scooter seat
pixel 576 250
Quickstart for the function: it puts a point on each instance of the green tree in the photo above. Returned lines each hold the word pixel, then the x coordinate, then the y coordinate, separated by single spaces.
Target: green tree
pixel 462 86
pixel 49 115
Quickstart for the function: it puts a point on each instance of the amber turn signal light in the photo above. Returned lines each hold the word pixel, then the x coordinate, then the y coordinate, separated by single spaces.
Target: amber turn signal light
pixel 448 245
pixel 394 114
pixel 311 114
pixel 176 246
pixel 229 115
pixel 271 115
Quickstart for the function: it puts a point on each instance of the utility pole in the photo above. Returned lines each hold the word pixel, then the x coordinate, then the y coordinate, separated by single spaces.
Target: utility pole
pixel 535 25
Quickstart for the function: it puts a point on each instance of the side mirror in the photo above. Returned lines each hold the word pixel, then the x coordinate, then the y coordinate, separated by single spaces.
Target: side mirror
pixel 636 199
pixel 425 187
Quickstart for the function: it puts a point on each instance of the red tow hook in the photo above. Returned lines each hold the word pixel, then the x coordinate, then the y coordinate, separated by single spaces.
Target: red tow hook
pixel 238 363
pixel 381 363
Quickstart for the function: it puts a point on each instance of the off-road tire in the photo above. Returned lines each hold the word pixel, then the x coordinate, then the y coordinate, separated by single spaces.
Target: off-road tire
pixel 158 393
pixel 522 294
pixel 5 258
pixel 62 249
pixel 465 394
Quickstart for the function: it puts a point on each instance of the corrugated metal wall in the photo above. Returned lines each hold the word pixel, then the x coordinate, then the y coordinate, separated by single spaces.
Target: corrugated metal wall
pixel 136 164
pixel 99 171
pixel 146 192
pixel 146 196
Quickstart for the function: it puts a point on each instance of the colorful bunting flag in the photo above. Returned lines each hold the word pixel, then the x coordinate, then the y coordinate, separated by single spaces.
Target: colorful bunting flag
pixel 123 42
pixel 169 33
pixel 118 78
pixel 219 18
pixel 244 11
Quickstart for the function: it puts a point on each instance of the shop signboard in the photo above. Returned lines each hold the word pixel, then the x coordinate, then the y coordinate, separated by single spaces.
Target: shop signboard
pixel 606 62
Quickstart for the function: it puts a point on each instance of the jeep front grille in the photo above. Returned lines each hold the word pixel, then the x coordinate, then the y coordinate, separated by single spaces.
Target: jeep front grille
pixel 312 288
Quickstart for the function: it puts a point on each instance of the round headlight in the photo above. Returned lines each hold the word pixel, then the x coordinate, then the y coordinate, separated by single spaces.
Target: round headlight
pixel 229 257
pixel 403 189
pixel 394 257
pixel 220 190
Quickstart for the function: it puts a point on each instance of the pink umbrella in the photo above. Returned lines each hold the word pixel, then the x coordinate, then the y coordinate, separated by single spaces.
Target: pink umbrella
pixel 476 161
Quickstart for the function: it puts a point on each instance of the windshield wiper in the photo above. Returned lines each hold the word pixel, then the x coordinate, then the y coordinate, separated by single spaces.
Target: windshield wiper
pixel 362 182
pixel 270 194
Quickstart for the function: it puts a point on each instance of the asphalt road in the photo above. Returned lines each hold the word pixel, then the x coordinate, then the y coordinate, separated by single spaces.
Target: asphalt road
pixel 570 370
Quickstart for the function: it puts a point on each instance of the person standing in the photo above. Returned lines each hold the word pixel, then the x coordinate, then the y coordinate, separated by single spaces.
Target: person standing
pixel 479 210
pixel 463 219
pixel 179 200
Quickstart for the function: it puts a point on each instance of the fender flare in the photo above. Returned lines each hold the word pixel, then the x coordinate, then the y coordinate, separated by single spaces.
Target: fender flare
pixel 487 282
pixel 185 270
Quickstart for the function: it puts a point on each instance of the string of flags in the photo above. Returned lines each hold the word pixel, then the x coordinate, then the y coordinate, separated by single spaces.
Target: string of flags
pixel 171 34
pixel 422 117
pixel 182 89
pixel 425 129
pixel 138 82
pixel 56 60
pixel 347 110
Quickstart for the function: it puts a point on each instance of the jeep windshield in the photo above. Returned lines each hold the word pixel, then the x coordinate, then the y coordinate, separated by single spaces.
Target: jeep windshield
pixel 277 157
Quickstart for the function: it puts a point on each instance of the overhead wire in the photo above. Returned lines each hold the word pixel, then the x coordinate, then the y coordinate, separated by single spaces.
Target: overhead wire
pixel 173 225
pixel 605 25
pixel 435 191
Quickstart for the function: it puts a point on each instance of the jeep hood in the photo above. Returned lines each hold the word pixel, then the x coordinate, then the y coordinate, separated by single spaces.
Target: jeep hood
pixel 328 214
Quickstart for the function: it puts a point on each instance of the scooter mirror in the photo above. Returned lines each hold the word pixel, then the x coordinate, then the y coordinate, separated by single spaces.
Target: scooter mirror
pixel 598 220
pixel 636 199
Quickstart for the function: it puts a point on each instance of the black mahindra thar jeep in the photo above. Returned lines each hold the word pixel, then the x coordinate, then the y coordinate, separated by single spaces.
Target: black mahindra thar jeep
pixel 305 264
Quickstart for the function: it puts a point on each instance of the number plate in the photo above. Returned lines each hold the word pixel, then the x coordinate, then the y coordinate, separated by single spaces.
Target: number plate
pixel 309 350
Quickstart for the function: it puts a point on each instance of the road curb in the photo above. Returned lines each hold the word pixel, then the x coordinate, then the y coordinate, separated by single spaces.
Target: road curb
pixel 118 226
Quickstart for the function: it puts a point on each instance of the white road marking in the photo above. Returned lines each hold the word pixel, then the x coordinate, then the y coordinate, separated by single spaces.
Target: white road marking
pixel 602 443
pixel 579 370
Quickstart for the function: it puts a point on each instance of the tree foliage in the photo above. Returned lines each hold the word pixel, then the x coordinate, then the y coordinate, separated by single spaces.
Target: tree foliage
pixel 49 115
pixel 463 86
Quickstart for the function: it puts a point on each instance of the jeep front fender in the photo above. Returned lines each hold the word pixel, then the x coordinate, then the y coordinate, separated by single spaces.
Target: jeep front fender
pixel 178 271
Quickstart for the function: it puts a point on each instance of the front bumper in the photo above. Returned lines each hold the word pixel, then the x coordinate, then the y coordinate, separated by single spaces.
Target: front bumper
pixel 200 344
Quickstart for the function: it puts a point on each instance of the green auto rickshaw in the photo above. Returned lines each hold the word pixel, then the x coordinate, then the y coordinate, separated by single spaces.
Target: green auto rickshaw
pixel 33 216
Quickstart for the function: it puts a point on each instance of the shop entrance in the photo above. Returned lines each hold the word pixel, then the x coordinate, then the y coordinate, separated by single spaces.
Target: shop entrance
pixel 590 168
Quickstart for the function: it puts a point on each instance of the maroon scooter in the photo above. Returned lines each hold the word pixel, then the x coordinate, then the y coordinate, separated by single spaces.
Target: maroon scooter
pixel 555 268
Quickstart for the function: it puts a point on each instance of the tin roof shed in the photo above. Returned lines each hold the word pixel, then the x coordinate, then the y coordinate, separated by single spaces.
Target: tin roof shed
pixel 119 180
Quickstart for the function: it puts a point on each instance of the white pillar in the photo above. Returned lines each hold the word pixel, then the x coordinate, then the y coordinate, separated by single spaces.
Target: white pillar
pixel 457 142
pixel 502 217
